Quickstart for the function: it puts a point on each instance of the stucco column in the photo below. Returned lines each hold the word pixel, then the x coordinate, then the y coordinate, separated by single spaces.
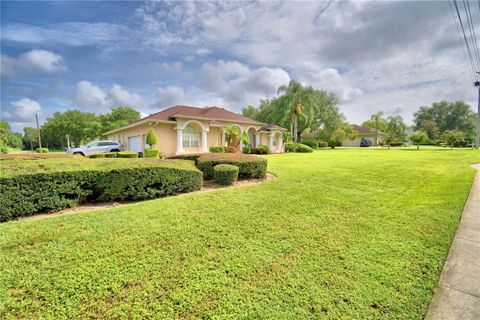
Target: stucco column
pixel 257 139
pixel 270 142
pixel 204 141
pixel 180 141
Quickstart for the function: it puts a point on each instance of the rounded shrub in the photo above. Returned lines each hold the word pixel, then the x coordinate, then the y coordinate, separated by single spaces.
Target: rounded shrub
pixel 44 150
pixel 225 174
pixel 217 149
pixel 248 166
pixel 246 150
pixel 297 147
pixel 110 154
pixel 97 155
pixel 152 153
pixel 310 143
pixel 3 149
pixel 127 154
pixel 261 149
pixel 323 144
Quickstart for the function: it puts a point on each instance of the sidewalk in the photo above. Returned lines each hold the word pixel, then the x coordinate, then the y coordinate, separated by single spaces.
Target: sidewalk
pixel 458 293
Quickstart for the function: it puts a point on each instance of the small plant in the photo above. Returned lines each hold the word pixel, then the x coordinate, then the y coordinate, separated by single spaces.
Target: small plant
pixel 225 174
pixel 323 144
pixel 297 147
pixel 152 153
pixel 311 143
pixel 151 138
pixel 3 149
pixel 247 150
pixel 42 150
pixel 97 155
pixel 261 149
pixel 418 138
pixel 127 154
pixel 217 149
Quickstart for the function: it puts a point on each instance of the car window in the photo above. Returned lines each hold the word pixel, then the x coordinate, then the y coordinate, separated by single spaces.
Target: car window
pixel 107 143
pixel 92 144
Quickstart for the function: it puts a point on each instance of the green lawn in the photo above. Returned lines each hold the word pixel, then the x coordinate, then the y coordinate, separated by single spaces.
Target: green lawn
pixel 346 233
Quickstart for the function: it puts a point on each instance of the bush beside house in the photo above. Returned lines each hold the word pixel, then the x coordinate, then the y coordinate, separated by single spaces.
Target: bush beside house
pixel 249 166
pixel 225 174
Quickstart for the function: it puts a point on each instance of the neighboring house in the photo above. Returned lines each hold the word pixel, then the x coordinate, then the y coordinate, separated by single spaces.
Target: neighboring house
pixel 362 133
pixel 185 129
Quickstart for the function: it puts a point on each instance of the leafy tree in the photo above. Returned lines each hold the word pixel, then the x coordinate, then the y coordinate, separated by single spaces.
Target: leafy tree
pixel 447 116
pixel 151 138
pixel 419 137
pixel 337 135
pixel 453 136
pixel 80 126
pixel 9 138
pixel 118 117
pixel 312 109
pixel 230 133
pixel 376 122
pixel 396 128
pixel 30 139
pixel 430 127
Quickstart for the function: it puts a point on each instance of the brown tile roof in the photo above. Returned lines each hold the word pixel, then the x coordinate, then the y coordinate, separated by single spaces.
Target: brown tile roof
pixel 209 113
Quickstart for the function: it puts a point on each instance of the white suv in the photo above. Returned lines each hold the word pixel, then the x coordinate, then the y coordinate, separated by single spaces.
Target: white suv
pixel 96 147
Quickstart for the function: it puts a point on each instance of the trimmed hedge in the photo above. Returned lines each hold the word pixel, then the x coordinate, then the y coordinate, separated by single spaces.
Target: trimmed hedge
pixel 225 174
pixel 312 144
pixel 246 150
pixel 191 157
pixel 217 149
pixel 97 155
pixel 297 147
pixel 261 149
pixel 27 194
pixel 110 154
pixel 152 153
pixel 127 154
pixel 44 150
pixel 249 166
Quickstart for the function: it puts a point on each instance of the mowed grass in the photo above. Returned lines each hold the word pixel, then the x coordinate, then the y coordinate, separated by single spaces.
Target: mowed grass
pixel 341 234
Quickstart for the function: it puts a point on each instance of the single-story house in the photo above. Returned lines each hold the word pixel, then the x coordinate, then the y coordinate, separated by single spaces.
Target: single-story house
pixel 186 129
pixel 362 133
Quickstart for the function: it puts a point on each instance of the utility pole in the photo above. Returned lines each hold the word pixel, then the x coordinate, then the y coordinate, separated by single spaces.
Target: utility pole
pixel 477 84
pixel 38 134
pixel 68 142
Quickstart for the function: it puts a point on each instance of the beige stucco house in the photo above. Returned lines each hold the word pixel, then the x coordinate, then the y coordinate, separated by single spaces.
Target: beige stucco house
pixel 363 133
pixel 186 129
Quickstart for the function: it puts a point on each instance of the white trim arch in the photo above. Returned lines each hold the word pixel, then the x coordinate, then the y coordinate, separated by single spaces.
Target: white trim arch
pixel 192 121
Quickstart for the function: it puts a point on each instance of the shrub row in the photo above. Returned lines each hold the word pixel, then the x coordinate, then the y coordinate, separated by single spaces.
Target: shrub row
pixel 27 194
pixel 311 143
pixel 297 147
pixel 122 154
pixel 225 174
pixel 261 149
pixel 249 166
pixel 217 149
pixel 42 150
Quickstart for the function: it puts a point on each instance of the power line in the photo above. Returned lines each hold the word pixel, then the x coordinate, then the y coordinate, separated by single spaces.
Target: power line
pixel 469 51
pixel 464 49
pixel 473 36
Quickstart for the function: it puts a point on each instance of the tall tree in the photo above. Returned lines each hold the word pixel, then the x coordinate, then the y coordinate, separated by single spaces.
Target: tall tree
pixel 447 116
pixel 376 122
pixel 396 128
pixel 29 138
pixel 118 117
pixel 9 138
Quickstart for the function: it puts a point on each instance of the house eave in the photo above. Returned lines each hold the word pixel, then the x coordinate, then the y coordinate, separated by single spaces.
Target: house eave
pixel 138 123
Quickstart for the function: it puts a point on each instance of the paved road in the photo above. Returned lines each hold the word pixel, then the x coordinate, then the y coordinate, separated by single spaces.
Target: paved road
pixel 458 292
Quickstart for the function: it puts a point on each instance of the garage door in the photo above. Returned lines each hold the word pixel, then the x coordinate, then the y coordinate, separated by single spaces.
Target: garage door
pixel 135 144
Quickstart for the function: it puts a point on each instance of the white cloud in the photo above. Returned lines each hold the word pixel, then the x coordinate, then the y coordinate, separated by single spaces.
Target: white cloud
pixel 21 113
pixel 93 98
pixel 170 69
pixel 33 61
pixel 169 96
pixel 237 85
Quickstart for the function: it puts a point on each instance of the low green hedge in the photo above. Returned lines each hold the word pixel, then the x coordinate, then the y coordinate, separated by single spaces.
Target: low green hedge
pixel 261 149
pixel 127 154
pixel 44 150
pixel 323 144
pixel 41 191
pixel 191 157
pixel 152 153
pixel 225 174
pixel 217 149
pixel 297 147
pixel 246 150
pixel 97 155
pixel 249 166
pixel 110 154
pixel 311 143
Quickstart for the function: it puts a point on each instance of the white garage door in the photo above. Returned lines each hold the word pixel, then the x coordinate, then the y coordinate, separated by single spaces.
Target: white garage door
pixel 135 144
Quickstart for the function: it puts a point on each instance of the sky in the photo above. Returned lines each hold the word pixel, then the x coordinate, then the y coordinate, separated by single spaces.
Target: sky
pixel 375 56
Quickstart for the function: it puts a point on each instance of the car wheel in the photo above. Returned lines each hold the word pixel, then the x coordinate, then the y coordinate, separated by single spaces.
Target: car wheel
pixel 78 154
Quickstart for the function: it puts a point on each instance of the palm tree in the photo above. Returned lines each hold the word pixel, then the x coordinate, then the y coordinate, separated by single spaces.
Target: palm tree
pixel 396 127
pixel 376 122
pixel 230 133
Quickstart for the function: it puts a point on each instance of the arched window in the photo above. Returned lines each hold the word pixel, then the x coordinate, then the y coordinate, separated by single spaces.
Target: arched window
pixel 190 137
